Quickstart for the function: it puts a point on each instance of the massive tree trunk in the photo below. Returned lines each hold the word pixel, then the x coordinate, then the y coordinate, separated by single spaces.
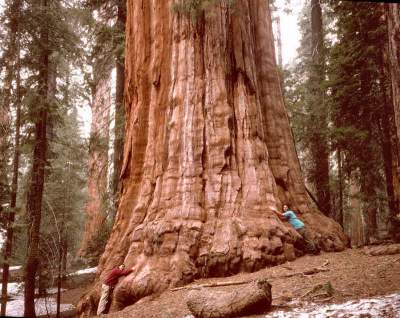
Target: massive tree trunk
pixel 208 152
pixel 96 212
pixel 319 146
pixel 393 17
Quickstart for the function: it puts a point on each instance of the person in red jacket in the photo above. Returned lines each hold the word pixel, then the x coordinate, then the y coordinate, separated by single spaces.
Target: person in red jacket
pixel 110 281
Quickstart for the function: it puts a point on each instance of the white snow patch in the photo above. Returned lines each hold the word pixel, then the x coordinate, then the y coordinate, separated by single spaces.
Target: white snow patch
pixel 13 289
pixel 15 306
pixel 11 268
pixel 370 307
pixel 54 290
pixel 42 307
pixel 84 271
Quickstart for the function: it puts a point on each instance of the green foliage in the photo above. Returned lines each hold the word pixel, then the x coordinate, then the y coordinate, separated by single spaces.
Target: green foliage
pixel 356 92
pixel 355 83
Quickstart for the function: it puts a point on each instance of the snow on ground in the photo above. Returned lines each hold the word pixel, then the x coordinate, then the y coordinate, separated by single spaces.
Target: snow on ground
pixel 12 268
pixel 15 306
pixel 84 271
pixel 42 307
pixel 14 289
pixel 385 306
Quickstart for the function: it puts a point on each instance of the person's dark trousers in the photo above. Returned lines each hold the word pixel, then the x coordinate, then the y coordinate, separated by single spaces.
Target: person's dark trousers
pixel 308 241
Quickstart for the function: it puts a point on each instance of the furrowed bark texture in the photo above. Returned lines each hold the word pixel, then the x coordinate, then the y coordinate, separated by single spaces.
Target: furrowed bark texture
pixel 208 152
pixel 119 106
pixel 98 164
pixel 393 17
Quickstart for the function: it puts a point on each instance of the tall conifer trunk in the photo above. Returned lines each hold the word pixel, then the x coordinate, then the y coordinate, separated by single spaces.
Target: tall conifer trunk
pixel 393 18
pixel 36 184
pixel 319 146
pixel 208 152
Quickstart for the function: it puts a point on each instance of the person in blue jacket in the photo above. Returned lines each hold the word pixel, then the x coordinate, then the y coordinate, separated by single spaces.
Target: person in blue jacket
pixel 294 221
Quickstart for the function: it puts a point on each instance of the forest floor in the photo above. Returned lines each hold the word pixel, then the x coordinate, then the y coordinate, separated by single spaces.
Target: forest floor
pixel 340 277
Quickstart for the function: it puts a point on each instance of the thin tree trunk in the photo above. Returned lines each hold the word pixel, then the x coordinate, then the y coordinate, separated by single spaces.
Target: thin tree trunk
pixel 14 190
pixel 388 140
pixel 208 152
pixel 339 217
pixel 319 146
pixel 36 184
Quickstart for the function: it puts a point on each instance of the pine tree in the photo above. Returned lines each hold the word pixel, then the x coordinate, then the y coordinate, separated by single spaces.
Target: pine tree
pixel 358 100
pixel 12 70
pixel 50 37
pixel 11 22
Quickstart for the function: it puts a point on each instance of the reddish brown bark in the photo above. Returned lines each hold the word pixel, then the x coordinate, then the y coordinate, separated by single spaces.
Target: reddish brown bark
pixel 98 164
pixel 208 152
pixel 393 18
pixel 119 104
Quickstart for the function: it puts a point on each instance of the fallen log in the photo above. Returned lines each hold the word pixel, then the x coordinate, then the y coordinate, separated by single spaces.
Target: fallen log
pixel 382 250
pixel 311 271
pixel 251 299
pixel 215 284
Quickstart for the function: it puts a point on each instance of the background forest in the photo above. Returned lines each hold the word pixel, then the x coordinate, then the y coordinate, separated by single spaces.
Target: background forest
pixel 59 185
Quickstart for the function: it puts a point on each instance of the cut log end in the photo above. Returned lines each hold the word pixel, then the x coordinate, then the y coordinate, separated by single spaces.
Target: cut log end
pixel 254 298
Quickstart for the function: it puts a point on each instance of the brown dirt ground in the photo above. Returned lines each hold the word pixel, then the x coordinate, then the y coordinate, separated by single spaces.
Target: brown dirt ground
pixel 352 274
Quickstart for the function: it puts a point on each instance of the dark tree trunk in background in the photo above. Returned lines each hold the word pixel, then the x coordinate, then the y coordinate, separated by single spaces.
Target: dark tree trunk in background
pixel 339 214
pixel 319 145
pixel 388 131
pixel 119 105
pixel 36 183
pixel 208 153
pixel 393 18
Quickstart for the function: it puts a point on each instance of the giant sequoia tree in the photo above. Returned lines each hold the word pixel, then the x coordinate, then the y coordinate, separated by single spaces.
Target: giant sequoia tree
pixel 208 151
pixel 393 13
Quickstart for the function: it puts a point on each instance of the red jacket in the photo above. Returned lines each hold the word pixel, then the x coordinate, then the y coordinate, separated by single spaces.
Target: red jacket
pixel 113 276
